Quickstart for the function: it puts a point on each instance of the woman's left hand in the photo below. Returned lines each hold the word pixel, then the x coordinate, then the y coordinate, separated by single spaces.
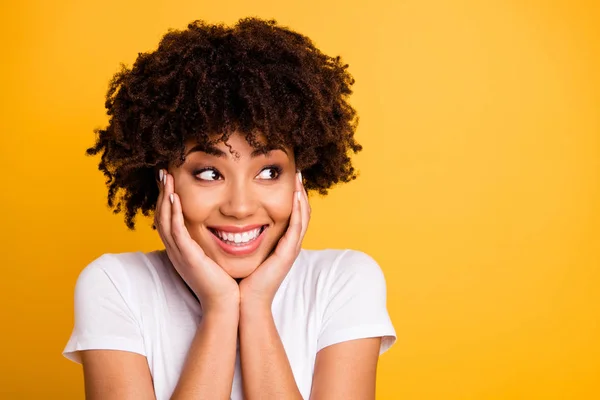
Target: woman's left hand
pixel 259 288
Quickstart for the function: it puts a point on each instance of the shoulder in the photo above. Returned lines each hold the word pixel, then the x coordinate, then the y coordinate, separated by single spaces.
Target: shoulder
pixel 359 266
pixel 329 269
pixel 339 263
pixel 350 296
pixel 119 269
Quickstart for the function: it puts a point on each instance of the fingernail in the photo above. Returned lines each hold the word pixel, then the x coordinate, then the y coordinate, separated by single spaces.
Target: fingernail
pixel 171 198
pixel 160 174
pixel 298 195
pixel 300 176
pixel 165 179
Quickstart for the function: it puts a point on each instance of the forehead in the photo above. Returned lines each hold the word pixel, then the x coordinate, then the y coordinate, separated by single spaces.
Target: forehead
pixel 235 139
pixel 235 146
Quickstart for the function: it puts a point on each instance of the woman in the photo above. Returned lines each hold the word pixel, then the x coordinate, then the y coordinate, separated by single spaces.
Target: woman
pixel 219 133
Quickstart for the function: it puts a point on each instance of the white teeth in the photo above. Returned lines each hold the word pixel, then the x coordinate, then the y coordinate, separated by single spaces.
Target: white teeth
pixel 239 238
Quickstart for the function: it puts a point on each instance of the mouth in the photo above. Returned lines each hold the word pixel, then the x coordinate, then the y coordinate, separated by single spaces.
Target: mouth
pixel 235 241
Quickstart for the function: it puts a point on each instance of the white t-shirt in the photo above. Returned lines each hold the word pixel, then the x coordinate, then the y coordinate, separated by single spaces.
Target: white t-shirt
pixel 138 302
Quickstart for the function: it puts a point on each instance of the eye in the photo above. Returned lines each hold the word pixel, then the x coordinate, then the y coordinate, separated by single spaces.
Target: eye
pixel 207 174
pixel 269 173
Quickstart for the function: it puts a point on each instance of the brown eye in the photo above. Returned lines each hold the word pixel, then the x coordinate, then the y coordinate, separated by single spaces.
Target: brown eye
pixel 269 173
pixel 208 174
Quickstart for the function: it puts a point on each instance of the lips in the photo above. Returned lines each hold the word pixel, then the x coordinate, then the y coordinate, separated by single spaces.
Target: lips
pixel 238 241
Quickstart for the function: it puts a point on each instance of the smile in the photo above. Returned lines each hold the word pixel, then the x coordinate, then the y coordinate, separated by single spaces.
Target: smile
pixel 238 241
pixel 239 238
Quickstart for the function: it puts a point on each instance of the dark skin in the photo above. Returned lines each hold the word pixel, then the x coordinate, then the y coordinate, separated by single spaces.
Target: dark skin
pixel 256 78
pixel 259 84
pixel 217 189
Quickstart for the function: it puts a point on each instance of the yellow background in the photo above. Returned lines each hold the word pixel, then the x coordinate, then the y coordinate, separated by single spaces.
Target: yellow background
pixel 479 192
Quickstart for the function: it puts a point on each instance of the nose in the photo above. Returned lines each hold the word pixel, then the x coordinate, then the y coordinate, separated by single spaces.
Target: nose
pixel 239 201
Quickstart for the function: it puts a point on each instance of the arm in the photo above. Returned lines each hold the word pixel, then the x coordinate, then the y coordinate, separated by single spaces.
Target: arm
pixel 106 339
pixel 209 367
pixel 207 373
pixel 346 370
pixel 123 373
pixel 266 370
pixel 116 374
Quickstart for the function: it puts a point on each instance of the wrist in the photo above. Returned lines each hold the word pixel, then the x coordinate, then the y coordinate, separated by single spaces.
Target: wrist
pixel 220 321
pixel 255 310
pixel 220 310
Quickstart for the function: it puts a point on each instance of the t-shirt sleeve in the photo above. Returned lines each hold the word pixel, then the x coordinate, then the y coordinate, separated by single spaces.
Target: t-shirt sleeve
pixel 356 306
pixel 104 319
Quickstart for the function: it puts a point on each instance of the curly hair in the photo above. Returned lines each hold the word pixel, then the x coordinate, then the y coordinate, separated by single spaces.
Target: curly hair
pixel 255 78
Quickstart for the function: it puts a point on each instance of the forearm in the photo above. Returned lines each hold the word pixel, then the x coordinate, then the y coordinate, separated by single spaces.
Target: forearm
pixel 209 366
pixel 266 371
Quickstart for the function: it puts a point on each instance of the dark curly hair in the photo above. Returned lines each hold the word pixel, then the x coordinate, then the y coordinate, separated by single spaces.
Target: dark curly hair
pixel 255 78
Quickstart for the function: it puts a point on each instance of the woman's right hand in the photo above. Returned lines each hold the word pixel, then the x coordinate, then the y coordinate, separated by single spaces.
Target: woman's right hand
pixel 216 290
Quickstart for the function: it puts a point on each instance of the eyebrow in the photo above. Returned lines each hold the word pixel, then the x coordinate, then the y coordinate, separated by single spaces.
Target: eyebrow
pixel 214 151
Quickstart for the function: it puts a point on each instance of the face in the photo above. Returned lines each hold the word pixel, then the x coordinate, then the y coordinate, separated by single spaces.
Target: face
pixel 236 208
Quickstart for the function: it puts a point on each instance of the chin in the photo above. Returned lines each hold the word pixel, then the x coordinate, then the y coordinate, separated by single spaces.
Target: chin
pixel 239 261
pixel 239 268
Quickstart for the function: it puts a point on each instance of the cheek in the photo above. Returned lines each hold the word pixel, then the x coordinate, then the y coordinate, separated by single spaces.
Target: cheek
pixel 278 202
pixel 196 207
pixel 279 207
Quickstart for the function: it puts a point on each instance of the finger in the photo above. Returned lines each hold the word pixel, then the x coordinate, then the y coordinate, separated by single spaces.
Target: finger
pixel 306 204
pixel 305 211
pixel 160 180
pixel 292 235
pixel 286 251
pixel 164 218
pixel 159 198
pixel 158 207
pixel 187 246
